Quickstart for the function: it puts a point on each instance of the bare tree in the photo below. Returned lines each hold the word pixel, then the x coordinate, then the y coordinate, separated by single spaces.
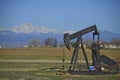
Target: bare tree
pixel 48 42
pixel 55 43
pixel 88 42
pixel 34 43
pixel 115 41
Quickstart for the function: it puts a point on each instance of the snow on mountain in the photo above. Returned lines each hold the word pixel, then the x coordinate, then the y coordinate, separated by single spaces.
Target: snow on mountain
pixel 29 28
pixel 1 29
pixel 69 31
pixel 22 34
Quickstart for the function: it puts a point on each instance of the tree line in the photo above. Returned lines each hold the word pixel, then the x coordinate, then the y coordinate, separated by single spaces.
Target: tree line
pixel 88 42
pixel 52 42
pixel 48 42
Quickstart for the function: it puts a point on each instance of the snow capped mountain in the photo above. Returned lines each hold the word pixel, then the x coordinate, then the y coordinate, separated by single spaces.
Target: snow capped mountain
pixel 22 34
pixel 29 28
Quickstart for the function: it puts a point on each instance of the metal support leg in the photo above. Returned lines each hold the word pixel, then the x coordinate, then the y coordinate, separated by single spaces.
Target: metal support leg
pixel 84 53
pixel 75 55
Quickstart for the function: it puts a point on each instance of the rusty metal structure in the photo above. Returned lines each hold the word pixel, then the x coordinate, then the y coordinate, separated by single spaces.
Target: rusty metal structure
pixel 96 57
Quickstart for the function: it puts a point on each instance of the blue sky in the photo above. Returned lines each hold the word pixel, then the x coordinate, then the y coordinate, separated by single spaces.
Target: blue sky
pixel 62 14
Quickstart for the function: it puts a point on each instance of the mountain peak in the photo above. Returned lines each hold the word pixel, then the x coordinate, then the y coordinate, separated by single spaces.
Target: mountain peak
pixel 29 28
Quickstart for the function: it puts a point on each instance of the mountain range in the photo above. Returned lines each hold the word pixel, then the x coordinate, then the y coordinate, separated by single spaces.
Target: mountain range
pixel 21 35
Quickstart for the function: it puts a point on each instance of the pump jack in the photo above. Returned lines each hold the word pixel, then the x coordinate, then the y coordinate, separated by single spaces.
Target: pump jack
pixel 96 58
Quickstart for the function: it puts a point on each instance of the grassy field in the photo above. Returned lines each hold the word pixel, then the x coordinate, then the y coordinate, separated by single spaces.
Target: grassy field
pixel 44 64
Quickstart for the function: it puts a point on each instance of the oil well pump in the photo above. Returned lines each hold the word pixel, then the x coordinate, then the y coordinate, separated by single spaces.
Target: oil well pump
pixel 96 57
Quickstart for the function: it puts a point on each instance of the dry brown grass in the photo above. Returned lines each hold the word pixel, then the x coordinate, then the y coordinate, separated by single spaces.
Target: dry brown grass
pixel 29 64
pixel 54 53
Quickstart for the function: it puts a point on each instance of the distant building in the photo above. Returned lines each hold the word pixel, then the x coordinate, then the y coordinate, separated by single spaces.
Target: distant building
pixel 26 46
pixel 83 46
pixel 110 45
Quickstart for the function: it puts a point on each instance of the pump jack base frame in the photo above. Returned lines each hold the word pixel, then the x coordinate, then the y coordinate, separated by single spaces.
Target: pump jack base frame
pixel 90 73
